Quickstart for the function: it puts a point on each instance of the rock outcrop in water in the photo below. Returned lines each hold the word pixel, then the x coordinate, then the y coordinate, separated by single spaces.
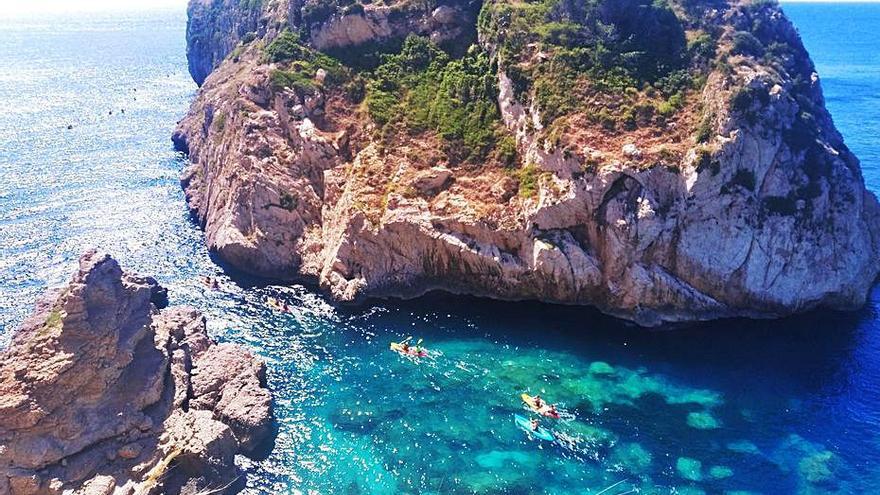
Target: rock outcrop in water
pixel 663 161
pixel 101 392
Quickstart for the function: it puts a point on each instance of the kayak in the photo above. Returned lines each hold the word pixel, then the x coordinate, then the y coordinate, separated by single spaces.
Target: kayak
pixel 413 350
pixel 541 433
pixel 530 401
pixel 277 305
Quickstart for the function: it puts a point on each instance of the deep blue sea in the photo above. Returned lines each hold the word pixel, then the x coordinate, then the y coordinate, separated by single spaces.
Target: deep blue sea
pixel 733 407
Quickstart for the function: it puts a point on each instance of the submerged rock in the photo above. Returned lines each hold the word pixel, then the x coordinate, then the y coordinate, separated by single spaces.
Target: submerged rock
pixel 720 472
pixel 702 420
pixel 101 392
pixel 632 457
pixel 689 469
pixel 817 468
pixel 713 185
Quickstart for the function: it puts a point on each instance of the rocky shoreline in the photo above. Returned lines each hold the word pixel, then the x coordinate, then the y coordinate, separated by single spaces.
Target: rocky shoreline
pixel 104 390
pixel 734 197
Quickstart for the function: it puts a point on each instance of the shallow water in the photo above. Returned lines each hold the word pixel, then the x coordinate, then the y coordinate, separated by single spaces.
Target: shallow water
pixel 758 407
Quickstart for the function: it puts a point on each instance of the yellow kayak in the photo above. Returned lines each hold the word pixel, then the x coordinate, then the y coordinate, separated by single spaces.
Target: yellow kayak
pixel 543 411
pixel 413 351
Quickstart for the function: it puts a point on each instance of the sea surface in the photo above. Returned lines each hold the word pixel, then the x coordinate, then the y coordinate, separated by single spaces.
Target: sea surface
pixel 738 406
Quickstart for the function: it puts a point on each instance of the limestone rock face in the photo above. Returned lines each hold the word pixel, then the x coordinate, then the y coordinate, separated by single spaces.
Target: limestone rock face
pixel 765 216
pixel 99 382
pixel 383 24
pixel 216 27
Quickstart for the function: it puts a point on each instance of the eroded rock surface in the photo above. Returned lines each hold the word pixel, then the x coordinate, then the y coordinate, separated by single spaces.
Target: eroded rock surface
pixel 744 201
pixel 101 392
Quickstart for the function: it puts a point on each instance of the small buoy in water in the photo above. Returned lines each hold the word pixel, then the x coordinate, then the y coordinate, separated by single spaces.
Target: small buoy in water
pixel 111 112
pixel 123 110
pixel 69 127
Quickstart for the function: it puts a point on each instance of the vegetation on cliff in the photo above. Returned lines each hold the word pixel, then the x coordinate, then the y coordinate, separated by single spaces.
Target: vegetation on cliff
pixel 615 66
pixel 422 89
pixel 642 137
pixel 625 63
pixel 301 64
pixel 606 66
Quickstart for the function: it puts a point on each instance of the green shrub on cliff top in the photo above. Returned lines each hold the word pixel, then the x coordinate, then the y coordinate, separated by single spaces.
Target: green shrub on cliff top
pixel 745 43
pixel 607 46
pixel 702 47
pixel 301 64
pixel 250 5
pixel 314 12
pixel 642 36
pixel 298 79
pixel 286 47
pixel 528 177
pixel 318 11
pixel 422 87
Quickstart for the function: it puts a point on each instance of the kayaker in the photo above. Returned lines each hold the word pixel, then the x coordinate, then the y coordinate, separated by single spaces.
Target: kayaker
pixel 550 410
pixel 533 424
pixel 538 402
pixel 405 347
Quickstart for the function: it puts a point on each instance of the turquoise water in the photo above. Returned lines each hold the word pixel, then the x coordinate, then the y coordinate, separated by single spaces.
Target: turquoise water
pixel 735 406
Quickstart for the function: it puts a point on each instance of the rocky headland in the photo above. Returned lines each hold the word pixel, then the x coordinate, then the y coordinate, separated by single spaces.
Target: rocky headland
pixel 105 391
pixel 663 160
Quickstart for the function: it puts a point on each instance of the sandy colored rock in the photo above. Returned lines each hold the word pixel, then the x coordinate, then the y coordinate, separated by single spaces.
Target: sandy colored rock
pixel 98 382
pixel 432 180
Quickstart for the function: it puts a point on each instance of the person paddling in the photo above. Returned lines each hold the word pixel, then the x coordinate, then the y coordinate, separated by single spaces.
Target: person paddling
pixel 403 347
pixel 211 282
pixel 539 404
pixel 275 303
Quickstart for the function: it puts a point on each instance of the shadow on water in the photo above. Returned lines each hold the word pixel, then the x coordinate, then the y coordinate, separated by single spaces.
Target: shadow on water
pixel 811 347
pixel 791 345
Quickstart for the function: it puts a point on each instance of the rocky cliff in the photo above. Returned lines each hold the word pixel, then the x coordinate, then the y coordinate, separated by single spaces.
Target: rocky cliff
pixel 103 393
pixel 660 160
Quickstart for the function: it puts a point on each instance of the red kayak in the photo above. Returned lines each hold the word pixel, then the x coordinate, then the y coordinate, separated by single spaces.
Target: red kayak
pixel 544 410
pixel 413 351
